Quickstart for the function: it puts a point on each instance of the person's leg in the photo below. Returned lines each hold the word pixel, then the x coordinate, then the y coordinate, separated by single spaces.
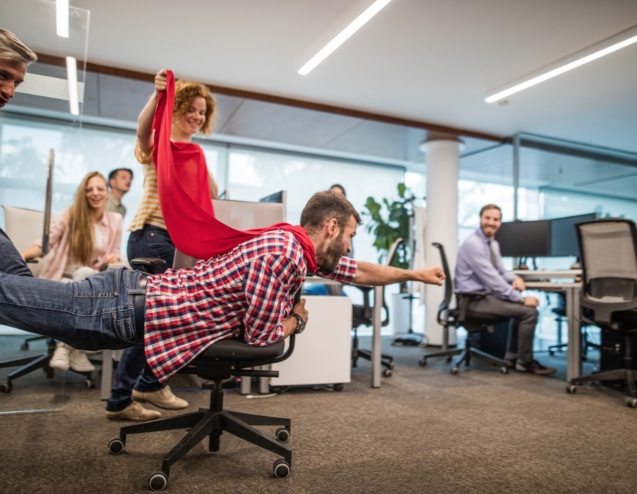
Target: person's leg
pixel 521 332
pixel 93 314
pixel 11 261
pixel 131 374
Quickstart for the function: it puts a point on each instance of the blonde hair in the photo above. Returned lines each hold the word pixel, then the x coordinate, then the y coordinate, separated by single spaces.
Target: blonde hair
pixel 81 244
pixel 11 48
pixel 185 93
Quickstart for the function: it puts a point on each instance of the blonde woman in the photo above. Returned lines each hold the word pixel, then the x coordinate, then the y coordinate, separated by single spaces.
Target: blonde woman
pixel 84 239
pixel 194 114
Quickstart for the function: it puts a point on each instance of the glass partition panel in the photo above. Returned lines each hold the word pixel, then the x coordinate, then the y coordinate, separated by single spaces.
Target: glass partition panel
pixel 24 151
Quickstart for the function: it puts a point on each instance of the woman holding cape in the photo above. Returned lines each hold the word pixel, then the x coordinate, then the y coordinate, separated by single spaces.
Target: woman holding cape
pixel 194 113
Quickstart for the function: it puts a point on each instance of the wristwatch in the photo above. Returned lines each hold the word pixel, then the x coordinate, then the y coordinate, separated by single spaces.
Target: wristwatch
pixel 300 323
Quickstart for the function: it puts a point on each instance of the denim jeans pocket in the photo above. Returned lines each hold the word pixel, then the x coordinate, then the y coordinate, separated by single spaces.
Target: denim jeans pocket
pixel 124 329
pixel 101 285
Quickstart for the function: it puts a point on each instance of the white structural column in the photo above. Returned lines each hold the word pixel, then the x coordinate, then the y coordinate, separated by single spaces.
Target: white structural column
pixel 442 158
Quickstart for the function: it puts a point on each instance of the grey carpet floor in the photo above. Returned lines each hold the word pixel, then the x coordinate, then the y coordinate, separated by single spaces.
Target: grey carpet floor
pixel 424 430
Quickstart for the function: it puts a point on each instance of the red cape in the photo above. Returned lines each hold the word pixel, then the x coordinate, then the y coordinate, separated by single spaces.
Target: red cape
pixel 184 194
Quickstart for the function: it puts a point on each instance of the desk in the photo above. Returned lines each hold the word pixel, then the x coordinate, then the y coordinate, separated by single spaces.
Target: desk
pixel 377 320
pixel 572 292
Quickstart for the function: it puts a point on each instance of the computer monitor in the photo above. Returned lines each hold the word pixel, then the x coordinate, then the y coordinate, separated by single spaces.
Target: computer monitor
pixel 525 238
pixel 564 235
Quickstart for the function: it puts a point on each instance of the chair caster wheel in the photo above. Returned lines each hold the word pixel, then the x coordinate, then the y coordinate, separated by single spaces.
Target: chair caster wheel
pixel 157 481
pixel 338 387
pixel 504 370
pixel 90 384
pixel 281 469
pixel 116 445
pixel 631 402
pixel 6 387
pixel 571 389
pixel 422 362
pixel 455 370
pixel 282 434
pixel 387 373
pixel 392 365
pixel 24 346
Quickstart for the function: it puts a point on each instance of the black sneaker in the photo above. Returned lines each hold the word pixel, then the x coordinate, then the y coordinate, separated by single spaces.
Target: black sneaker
pixel 535 368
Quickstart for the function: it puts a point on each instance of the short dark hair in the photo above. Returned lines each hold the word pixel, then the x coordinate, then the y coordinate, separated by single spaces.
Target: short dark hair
pixel 114 172
pixel 340 187
pixel 323 206
pixel 490 206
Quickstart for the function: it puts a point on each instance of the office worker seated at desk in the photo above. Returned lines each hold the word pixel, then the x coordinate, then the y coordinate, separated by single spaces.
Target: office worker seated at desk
pixel 247 292
pixel 480 269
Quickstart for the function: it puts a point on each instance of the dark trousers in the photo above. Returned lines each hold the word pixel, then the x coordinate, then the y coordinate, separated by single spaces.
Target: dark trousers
pixel 132 370
pixel 522 328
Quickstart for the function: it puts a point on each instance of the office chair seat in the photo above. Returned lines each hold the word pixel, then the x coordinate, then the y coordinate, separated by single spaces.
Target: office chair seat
pixel 237 350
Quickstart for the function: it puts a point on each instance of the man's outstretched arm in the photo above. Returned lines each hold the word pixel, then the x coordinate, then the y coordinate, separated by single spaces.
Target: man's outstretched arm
pixel 368 273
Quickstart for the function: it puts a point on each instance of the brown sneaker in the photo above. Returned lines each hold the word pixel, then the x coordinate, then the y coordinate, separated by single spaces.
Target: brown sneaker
pixel 134 412
pixel 163 398
pixel 535 368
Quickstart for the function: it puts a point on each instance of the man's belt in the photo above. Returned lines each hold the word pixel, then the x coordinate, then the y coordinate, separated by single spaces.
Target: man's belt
pixel 139 303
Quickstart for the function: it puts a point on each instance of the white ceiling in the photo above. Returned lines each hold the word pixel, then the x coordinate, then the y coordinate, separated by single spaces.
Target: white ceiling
pixel 420 59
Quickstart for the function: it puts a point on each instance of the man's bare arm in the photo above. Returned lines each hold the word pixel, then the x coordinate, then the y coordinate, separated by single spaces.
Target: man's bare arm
pixel 368 273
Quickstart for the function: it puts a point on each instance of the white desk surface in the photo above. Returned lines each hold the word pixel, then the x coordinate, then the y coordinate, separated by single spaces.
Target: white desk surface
pixel 564 274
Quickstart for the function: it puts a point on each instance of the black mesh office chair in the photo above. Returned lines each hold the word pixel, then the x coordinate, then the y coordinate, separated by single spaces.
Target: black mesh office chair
pixel 609 292
pixel 560 319
pixel 218 362
pixel 461 317
pixel 362 316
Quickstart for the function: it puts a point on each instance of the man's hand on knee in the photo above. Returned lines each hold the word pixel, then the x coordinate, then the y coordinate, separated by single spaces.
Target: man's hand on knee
pixel 531 302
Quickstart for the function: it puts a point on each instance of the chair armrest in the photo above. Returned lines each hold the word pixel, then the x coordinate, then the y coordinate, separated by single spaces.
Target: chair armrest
pixel 149 264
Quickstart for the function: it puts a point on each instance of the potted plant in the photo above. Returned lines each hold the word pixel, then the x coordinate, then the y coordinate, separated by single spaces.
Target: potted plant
pixel 390 225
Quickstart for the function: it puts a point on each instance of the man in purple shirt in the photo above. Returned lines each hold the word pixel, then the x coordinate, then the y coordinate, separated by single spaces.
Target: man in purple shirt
pixel 480 269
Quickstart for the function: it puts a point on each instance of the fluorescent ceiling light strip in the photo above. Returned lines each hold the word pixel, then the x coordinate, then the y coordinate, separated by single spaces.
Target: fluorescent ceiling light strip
pixel 62 18
pixel 359 22
pixel 560 70
pixel 71 74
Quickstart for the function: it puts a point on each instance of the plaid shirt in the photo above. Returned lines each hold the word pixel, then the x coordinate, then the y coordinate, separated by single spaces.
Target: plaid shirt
pixel 246 292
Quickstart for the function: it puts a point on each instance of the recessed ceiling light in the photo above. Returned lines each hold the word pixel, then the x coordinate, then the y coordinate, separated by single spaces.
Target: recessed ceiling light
pixel 62 18
pixel 340 38
pixel 594 52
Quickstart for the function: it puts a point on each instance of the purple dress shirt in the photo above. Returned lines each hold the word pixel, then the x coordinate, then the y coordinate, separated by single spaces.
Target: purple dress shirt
pixel 476 273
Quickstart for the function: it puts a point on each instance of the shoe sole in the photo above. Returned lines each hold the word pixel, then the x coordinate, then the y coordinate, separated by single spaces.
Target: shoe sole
pixel 58 367
pixel 81 370
pixel 163 407
pixel 116 417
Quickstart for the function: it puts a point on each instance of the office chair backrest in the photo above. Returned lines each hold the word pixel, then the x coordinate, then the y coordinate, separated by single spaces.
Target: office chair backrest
pixel 241 215
pixel 446 302
pixel 609 259
pixel 23 226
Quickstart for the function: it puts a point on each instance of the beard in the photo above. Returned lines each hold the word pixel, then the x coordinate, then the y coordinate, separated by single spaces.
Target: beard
pixel 333 255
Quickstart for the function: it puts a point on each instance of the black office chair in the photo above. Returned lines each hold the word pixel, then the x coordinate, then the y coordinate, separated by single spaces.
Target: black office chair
pixel 609 292
pixel 462 317
pixel 362 316
pixel 218 362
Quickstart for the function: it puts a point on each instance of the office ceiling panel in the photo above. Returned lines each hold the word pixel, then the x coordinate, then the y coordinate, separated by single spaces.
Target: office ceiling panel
pixel 421 59
pixel 279 123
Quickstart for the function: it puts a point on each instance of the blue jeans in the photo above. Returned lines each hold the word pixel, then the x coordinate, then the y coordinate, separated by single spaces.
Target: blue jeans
pixel 132 370
pixel 93 314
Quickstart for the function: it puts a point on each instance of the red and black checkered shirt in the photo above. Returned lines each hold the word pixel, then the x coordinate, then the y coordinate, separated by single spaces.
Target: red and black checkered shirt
pixel 248 292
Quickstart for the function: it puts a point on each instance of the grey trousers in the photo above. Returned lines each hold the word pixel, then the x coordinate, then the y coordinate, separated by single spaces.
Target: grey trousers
pixel 522 328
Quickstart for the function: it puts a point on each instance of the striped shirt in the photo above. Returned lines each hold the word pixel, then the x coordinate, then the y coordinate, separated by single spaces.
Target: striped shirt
pixel 246 292
pixel 149 210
